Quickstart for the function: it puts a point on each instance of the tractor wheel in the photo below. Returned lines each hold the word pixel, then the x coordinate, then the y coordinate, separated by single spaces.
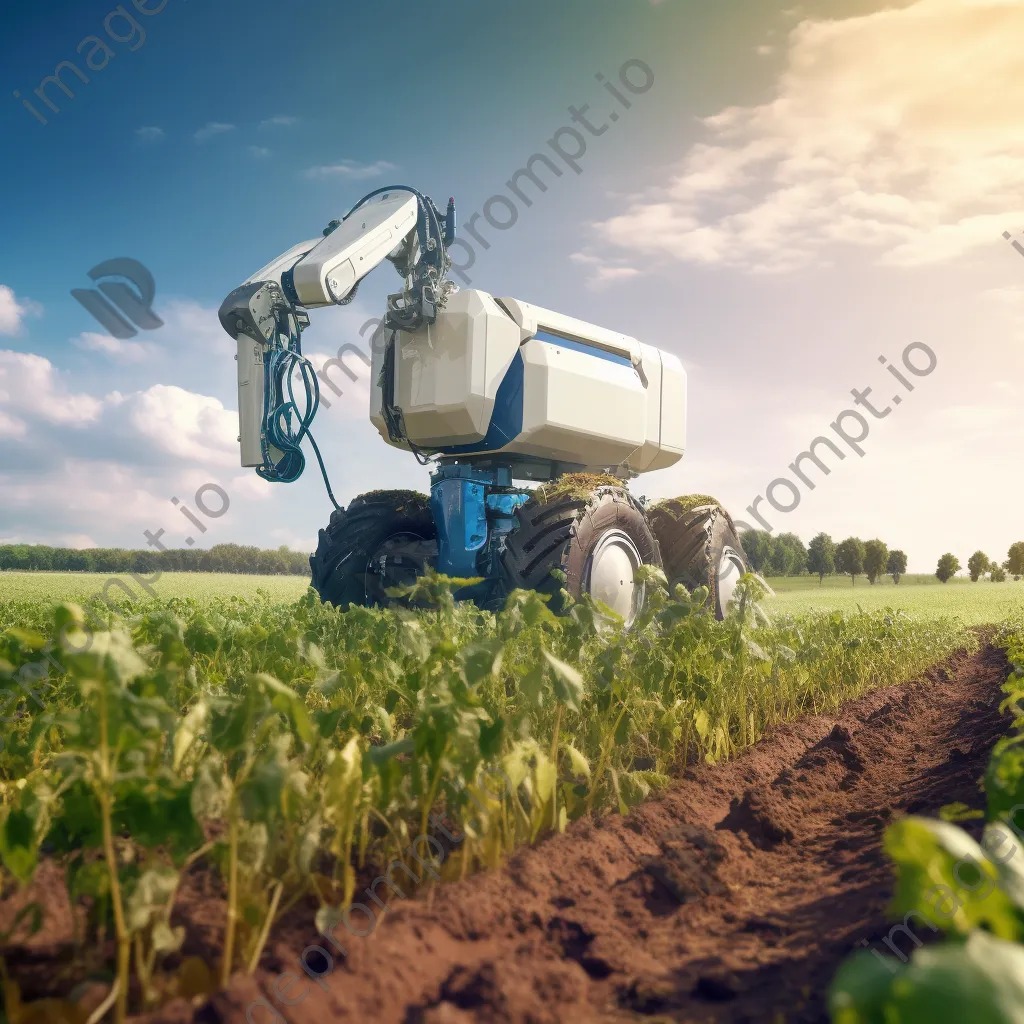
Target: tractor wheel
pixel 700 548
pixel 383 539
pixel 598 541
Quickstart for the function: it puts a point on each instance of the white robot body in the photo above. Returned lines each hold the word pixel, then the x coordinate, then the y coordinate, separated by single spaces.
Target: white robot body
pixel 502 376
pixel 478 376
pixel 330 271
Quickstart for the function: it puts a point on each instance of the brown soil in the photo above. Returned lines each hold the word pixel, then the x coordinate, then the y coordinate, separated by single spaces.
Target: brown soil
pixel 733 897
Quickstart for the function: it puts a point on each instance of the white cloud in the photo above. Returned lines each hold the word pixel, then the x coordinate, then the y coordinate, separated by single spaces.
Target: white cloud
pixel 354 397
pixel 83 496
pixel 602 272
pixel 118 350
pixel 280 121
pixel 11 426
pixel 31 388
pixel 259 152
pixel 350 169
pixel 192 427
pixel 898 131
pixel 104 468
pixel 14 310
pixel 79 541
pixel 149 133
pixel 251 486
pixel 294 541
pixel 211 129
pixel 103 461
pixel 606 275
pixel 186 321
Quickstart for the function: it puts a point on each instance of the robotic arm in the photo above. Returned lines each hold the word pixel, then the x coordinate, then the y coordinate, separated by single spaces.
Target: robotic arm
pixel 267 314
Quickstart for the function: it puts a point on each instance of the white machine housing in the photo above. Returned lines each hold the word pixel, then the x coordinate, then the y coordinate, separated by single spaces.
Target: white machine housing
pixel 501 375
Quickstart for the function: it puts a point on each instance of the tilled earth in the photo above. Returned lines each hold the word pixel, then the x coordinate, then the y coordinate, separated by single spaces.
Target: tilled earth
pixel 732 897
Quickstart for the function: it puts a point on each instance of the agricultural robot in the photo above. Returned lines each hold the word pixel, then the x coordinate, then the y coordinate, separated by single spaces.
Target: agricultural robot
pixel 490 393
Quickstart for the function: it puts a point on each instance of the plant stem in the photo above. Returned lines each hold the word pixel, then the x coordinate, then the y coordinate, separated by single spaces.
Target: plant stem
pixel 143 967
pixel 605 750
pixel 100 1012
pixel 434 785
pixel 229 935
pixel 195 855
pixel 554 759
pixel 295 897
pixel 106 812
pixel 265 930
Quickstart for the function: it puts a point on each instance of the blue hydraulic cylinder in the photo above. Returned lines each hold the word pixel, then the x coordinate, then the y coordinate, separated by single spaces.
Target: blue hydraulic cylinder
pixel 460 513
pixel 470 506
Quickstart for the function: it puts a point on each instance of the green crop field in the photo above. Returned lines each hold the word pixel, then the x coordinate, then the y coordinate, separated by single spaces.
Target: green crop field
pixel 80 586
pixel 971 603
pixel 835 582
pixel 236 721
pixel 975 973
pixel 289 746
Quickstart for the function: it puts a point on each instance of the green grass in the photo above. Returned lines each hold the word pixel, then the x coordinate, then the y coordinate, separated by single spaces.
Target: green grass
pixel 972 603
pixel 291 746
pixel 80 586
pixel 809 582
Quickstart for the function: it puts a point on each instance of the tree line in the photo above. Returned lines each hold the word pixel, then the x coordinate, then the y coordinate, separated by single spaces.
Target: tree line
pixel 786 555
pixel 979 564
pixel 241 558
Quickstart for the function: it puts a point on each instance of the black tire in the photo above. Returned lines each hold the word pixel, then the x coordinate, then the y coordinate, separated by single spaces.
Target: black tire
pixel 700 548
pixel 564 534
pixel 380 540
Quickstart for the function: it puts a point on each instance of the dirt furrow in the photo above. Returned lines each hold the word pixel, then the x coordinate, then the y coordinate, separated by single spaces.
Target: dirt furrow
pixel 732 897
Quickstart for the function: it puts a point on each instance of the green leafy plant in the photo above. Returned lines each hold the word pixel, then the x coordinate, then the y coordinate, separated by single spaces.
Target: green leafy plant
pixel 972 893
pixel 284 748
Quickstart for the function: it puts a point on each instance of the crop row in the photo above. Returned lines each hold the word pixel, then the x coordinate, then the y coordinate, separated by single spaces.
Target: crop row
pixel 948 884
pixel 288 748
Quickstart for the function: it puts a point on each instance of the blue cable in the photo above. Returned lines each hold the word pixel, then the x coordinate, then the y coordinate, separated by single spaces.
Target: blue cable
pixel 278 367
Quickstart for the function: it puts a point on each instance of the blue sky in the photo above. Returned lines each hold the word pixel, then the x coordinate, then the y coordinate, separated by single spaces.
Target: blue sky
pixel 795 195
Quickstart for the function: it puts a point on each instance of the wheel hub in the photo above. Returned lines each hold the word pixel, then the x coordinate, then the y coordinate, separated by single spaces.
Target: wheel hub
pixel 610 578
pixel 730 569
pixel 397 562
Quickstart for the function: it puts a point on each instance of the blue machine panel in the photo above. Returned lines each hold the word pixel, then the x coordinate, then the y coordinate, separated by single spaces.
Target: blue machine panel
pixel 506 420
pixel 582 346
pixel 472 507
pixel 460 513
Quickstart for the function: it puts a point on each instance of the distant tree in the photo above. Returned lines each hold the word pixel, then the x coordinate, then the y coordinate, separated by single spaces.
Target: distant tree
pixel 850 558
pixel 757 546
pixel 796 545
pixel 997 574
pixel 1014 563
pixel 977 565
pixel 875 556
pixel 821 556
pixel 896 565
pixel 948 567
pixel 79 561
pixel 788 556
pixel 219 558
